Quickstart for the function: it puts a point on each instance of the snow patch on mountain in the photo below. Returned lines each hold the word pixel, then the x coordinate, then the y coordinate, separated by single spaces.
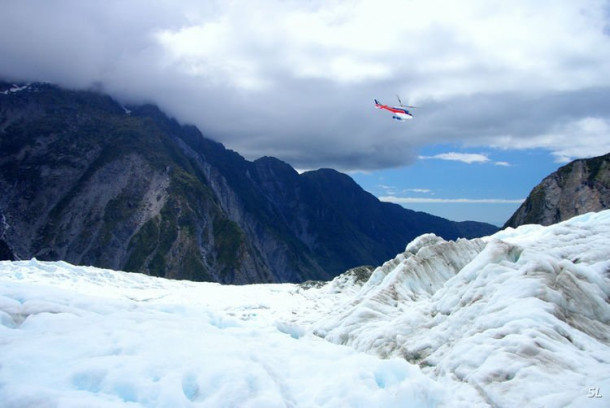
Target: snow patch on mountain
pixel 15 89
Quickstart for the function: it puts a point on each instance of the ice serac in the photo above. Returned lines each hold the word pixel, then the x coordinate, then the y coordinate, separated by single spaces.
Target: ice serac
pixel 426 265
pixel 521 318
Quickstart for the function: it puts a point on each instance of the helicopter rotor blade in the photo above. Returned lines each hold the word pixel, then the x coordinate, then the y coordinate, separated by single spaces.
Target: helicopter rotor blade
pixel 404 106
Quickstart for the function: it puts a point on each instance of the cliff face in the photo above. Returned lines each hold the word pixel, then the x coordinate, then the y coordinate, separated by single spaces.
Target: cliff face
pixel 579 187
pixel 84 180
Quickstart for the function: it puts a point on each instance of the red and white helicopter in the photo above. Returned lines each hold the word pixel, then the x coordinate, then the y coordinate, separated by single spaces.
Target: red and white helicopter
pixel 398 112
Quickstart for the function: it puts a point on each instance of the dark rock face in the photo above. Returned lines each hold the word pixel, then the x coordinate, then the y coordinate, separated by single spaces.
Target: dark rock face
pixel 579 187
pixel 86 181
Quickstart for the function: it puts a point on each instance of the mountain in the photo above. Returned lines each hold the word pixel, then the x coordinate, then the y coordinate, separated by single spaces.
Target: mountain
pixel 518 319
pixel 85 180
pixel 577 188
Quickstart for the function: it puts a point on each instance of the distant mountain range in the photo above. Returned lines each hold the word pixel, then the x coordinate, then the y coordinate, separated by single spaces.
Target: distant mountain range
pixel 577 188
pixel 85 180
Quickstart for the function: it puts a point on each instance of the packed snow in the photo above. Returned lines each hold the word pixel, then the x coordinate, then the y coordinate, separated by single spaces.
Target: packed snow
pixel 15 88
pixel 521 318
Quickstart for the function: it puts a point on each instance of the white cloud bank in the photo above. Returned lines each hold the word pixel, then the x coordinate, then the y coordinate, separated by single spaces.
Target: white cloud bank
pixel 467 158
pixel 429 200
pixel 579 138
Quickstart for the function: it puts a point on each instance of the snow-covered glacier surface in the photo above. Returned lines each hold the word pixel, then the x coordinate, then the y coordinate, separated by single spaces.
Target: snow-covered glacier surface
pixel 521 318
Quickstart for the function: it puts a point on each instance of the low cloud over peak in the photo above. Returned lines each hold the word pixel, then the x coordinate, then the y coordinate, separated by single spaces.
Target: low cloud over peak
pixel 297 79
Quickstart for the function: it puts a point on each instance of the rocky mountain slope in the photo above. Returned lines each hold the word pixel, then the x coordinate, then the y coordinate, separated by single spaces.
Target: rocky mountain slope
pixel 577 188
pixel 85 180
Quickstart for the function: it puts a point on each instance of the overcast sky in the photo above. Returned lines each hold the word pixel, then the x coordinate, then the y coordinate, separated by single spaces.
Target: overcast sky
pixel 296 79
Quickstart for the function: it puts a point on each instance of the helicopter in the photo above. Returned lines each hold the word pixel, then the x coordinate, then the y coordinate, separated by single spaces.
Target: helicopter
pixel 399 112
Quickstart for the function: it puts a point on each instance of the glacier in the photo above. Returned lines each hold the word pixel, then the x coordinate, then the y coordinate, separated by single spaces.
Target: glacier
pixel 519 318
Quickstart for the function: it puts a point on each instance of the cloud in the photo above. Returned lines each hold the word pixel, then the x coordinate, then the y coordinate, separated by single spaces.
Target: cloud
pixel 468 158
pixel 296 79
pixel 569 140
pixel 393 190
pixel 586 137
pixel 409 200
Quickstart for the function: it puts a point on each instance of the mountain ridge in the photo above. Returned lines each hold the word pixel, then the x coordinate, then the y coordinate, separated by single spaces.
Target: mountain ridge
pixel 576 188
pixel 86 180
